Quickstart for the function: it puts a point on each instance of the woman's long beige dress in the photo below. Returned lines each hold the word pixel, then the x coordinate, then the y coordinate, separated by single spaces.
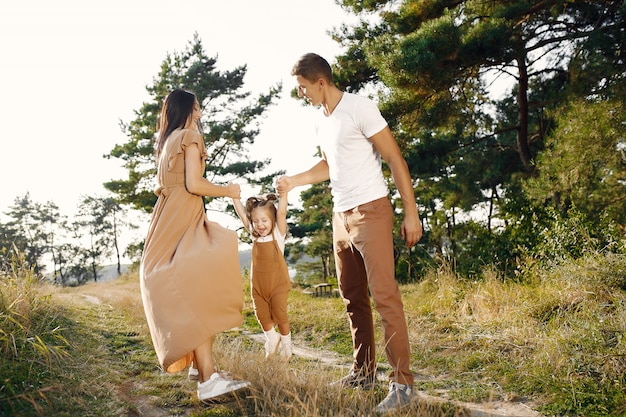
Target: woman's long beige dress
pixel 190 279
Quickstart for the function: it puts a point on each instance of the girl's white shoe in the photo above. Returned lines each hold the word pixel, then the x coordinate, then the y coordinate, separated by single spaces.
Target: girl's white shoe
pixel 284 348
pixel 272 338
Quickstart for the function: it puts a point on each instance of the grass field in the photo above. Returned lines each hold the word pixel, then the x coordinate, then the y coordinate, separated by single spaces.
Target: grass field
pixel 554 340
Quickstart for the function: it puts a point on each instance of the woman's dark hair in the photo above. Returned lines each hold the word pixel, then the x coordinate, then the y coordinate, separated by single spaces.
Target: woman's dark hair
pixel 177 108
pixel 256 202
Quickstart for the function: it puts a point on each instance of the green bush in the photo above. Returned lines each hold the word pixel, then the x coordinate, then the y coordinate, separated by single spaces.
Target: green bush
pixel 30 339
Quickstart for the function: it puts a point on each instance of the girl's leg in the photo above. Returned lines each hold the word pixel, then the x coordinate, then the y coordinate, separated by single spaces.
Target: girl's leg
pixel 264 317
pixel 284 328
pixel 278 306
pixel 262 311
pixel 279 313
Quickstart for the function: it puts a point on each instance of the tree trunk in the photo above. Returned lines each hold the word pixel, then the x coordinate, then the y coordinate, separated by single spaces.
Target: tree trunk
pixel 117 249
pixel 522 102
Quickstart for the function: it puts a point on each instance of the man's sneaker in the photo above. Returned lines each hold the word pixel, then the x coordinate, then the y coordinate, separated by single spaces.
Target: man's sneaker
pixel 399 396
pixel 192 375
pixel 219 385
pixel 355 380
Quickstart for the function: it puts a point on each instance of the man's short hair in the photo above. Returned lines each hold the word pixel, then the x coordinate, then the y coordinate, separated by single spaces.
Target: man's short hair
pixel 313 67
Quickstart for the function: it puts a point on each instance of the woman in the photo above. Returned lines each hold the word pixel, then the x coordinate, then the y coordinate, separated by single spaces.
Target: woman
pixel 190 280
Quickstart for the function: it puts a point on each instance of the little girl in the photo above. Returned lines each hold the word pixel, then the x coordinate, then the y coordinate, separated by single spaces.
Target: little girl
pixel 269 274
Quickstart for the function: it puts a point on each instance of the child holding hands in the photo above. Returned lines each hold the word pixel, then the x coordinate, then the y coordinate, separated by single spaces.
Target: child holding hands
pixel 269 275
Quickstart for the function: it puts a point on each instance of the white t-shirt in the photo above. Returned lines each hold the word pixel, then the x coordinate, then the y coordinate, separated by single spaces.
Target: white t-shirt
pixel 355 166
pixel 280 239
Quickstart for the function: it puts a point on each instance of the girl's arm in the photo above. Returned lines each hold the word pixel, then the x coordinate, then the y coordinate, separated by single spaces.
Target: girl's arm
pixel 241 212
pixel 281 213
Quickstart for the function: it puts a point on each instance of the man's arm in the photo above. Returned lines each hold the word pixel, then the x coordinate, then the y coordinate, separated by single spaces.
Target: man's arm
pixel 317 173
pixel 386 145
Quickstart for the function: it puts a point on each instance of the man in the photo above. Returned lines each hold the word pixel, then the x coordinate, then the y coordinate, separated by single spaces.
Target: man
pixel 354 136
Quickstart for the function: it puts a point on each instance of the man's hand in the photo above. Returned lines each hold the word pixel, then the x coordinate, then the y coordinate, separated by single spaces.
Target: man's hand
pixel 411 231
pixel 283 184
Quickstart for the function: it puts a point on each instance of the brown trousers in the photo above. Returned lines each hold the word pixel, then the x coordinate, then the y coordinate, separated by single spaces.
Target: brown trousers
pixel 363 243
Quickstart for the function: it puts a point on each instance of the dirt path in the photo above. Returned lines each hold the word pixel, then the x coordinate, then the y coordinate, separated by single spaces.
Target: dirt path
pixel 492 409
pixel 144 404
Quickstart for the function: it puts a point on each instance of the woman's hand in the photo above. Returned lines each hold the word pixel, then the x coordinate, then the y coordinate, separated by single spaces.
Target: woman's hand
pixel 233 190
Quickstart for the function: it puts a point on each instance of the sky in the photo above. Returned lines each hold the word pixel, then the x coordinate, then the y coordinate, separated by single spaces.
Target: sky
pixel 72 69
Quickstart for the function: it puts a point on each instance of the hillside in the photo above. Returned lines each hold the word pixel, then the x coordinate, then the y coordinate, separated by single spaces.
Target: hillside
pixel 308 357
pixel 109 272
pixel 480 348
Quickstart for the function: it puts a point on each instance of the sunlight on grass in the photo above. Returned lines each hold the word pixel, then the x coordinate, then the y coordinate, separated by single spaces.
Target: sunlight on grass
pixel 554 339
pixel 31 341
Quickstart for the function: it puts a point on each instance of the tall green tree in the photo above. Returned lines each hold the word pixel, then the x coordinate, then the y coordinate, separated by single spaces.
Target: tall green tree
pixel 312 226
pixel 434 64
pixel 103 218
pixel 6 246
pixel 30 229
pixel 92 220
pixel 584 162
pixel 98 221
pixel 230 121
pixel 56 230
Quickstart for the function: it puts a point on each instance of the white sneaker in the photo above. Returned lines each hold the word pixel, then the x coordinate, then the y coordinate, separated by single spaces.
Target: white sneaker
pixel 272 338
pixel 218 385
pixel 192 375
pixel 399 396
pixel 284 348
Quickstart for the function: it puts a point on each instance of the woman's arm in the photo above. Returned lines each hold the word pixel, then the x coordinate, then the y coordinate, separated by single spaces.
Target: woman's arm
pixel 195 181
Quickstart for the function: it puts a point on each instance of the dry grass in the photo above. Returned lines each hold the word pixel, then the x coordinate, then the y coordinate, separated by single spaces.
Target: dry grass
pixel 554 340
